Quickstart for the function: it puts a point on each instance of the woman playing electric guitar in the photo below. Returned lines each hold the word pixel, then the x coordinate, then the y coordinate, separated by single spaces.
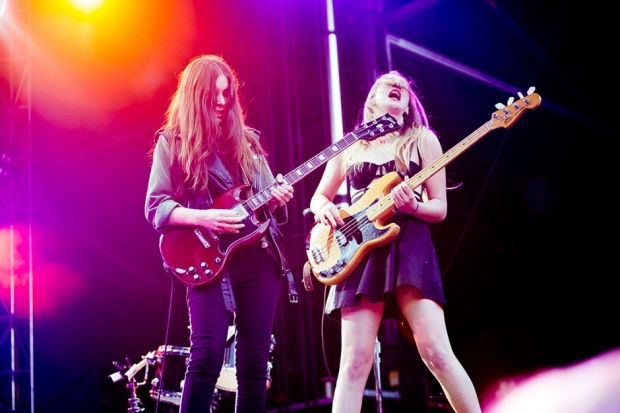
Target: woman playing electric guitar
pixel 203 151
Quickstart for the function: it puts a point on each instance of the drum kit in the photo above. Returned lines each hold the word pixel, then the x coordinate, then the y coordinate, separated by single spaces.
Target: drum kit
pixel 170 363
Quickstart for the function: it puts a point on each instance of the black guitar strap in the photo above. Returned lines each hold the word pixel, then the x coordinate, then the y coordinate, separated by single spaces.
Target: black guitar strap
pixel 292 290
pixel 293 297
pixel 286 269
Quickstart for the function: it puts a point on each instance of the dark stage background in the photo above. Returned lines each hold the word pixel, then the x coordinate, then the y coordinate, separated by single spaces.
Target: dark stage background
pixel 527 274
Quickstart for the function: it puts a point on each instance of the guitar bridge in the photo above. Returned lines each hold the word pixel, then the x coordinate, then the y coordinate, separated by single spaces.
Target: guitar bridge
pixel 317 255
pixel 176 271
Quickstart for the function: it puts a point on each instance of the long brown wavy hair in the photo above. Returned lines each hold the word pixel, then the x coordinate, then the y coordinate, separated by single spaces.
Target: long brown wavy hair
pixel 192 120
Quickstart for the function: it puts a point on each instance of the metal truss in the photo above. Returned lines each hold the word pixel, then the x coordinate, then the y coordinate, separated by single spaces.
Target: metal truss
pixel 16 287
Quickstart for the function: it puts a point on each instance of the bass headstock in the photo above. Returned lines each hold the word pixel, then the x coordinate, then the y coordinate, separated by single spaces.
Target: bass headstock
pixel 508 114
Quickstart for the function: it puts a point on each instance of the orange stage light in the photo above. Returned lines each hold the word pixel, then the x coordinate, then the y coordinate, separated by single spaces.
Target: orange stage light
pixel 99 62
pixel 86 6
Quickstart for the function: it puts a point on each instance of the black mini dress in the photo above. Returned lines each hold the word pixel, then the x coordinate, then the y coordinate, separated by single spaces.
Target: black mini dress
pixel 409 259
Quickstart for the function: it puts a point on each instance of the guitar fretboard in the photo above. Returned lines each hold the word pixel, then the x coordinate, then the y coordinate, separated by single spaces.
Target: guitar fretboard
pixel 502 118
pixel 368 131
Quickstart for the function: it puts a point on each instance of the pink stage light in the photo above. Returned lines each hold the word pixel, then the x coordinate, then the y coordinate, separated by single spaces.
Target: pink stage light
pixel 590 386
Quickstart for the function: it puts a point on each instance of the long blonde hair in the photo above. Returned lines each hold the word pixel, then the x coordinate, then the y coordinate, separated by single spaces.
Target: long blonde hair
pixel 191 116
pixel 412 132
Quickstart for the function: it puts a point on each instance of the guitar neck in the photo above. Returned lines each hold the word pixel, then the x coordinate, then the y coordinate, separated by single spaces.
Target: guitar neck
pixel 448 157
pixel 386 203
pixel 303 170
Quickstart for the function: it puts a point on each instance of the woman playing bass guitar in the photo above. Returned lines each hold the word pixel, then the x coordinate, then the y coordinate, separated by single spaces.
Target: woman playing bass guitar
pixel 403 274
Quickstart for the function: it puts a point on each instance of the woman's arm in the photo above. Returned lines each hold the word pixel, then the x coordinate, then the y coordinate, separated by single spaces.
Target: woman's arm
pixel 321 203
pixel 436 208
pixel 159 202
pixel 163 210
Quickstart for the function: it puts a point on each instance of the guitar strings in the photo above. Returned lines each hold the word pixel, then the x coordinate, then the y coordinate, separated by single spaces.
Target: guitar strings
pixel 382 203
pixel 351 227
pixel 292 178
pixel 362 132
pixel 332 248
pixel 385 202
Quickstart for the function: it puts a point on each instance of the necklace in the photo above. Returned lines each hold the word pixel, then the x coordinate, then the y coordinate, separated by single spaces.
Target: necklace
pixel 384 139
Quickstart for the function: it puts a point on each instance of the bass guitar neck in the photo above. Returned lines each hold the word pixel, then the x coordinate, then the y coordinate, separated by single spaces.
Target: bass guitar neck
pixel 334 253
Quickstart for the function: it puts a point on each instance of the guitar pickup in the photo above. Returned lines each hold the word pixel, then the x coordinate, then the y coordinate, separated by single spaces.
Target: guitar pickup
pixel 201 237
pixel 213 235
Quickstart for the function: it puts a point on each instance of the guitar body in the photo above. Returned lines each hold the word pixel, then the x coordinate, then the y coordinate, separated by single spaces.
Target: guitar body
pixel 335 252
pixel 198 256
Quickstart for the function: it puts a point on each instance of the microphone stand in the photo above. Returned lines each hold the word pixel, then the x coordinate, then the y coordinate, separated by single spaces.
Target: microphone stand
pixel 129 373
pixel 377 370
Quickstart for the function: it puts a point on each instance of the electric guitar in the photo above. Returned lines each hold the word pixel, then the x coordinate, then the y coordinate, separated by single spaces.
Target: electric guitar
pixel 333 253
pixel 198 256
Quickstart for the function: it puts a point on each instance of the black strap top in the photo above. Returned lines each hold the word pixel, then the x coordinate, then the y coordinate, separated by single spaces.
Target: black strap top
pixel 360 175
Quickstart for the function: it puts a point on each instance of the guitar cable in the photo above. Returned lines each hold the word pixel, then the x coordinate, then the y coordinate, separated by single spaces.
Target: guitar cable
pixel 163 359
pixel 329 374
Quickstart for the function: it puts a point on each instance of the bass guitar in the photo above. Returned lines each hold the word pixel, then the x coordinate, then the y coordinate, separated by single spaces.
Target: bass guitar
pixel 198 256
pixel 333 253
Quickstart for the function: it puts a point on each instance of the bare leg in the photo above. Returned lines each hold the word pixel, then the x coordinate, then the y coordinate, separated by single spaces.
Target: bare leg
pixel 359 330
pixel 426 319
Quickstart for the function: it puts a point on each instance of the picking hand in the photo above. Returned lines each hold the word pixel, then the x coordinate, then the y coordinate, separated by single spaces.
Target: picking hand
pixel 329 215
pixel 220 220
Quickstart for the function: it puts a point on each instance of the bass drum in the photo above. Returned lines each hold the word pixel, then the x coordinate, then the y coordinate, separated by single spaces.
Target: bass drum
pixel 228 379
pixel 168 382
pixel 228 376
pixel 172 363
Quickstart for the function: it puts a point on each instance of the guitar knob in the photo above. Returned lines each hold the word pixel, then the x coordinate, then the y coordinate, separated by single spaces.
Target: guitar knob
pixel 191 270
pixel 196 277
pixel 205 269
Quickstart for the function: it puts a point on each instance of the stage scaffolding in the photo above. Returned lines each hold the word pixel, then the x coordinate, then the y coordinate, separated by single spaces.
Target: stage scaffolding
pixel 16 275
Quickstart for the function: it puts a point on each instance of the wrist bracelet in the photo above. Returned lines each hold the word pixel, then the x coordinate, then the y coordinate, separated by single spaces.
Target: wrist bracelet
pixel 416 208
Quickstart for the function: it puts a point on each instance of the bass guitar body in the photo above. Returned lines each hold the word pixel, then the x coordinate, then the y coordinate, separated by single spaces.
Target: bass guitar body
pixel 198 256
pixel 335 252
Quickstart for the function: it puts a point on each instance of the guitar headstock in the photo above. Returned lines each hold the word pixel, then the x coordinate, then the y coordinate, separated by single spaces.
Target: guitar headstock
pixel 377 127
pixel 507 115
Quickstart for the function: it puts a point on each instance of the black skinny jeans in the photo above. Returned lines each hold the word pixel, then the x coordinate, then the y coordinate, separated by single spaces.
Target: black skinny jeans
pixel 256 281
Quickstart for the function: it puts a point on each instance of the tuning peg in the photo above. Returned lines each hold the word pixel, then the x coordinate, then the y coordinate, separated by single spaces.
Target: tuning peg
pixel 500 106
pixel 531 90
pixel 510 100
pixel 520 95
